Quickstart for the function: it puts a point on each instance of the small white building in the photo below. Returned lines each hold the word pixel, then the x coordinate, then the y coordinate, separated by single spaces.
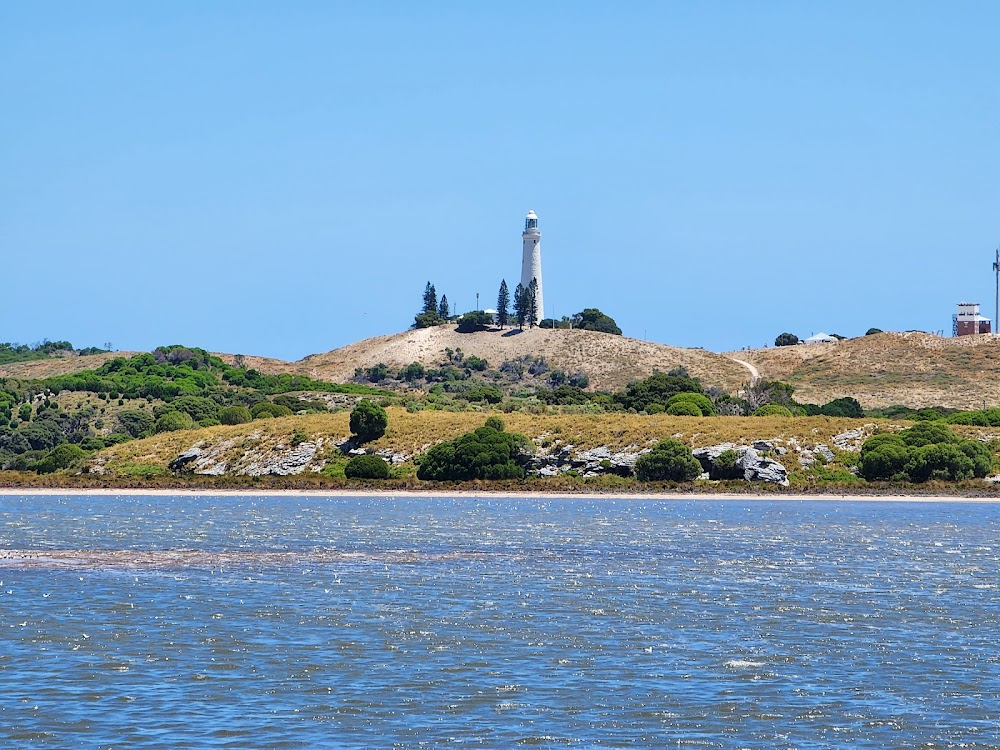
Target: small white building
pixel 821 338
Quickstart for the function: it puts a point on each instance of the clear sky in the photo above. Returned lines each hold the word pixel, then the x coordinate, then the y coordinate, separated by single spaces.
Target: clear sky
pixel 283 178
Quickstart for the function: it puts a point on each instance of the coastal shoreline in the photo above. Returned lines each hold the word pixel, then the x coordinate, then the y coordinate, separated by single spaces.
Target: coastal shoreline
pixel 507 494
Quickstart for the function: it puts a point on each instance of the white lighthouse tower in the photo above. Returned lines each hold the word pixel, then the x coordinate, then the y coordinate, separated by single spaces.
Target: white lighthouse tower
pixel 531 259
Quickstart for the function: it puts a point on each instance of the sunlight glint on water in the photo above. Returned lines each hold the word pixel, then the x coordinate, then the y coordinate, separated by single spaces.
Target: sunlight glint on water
pixel 350 622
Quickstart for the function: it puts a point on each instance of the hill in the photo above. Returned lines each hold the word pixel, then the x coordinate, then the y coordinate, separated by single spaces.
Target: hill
pixel 915 369
pixel 610 361
pixel 62 364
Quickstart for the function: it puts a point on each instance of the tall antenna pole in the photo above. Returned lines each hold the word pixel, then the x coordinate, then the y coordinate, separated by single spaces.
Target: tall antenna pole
pixel 996 270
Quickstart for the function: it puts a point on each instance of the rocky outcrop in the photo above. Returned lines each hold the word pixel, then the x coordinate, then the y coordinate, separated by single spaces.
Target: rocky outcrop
pixel 587 463
pixel 248 457
pixel 749 463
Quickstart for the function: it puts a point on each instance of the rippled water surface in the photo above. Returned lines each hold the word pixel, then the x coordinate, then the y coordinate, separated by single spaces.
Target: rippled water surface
pixel 350 622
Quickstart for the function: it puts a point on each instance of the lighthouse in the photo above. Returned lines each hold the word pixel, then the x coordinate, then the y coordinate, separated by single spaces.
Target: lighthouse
pixel 531 259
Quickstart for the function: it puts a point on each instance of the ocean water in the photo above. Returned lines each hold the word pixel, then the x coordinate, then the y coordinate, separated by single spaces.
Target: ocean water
pixel 345 622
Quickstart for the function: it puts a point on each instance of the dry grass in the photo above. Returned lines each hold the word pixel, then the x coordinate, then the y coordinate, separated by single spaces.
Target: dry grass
pixel 915 369
pixel 413 433
pixel 47 368
pixel 611 362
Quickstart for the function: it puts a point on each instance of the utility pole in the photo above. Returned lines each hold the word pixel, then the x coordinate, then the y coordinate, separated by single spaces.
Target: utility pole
pixel 996 270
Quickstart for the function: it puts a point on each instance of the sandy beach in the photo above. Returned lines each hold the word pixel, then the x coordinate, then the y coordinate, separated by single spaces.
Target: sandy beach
pixel 747 497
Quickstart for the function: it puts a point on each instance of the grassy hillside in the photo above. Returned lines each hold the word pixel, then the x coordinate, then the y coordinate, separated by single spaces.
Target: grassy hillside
pixel 610 362
pixel 412 433
pixel 915 369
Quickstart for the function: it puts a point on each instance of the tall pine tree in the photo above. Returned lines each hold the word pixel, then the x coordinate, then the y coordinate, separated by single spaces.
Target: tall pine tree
pixel 430 299
pixel 503 304
pixel 520 305
pixel 443 310
pixel 532 304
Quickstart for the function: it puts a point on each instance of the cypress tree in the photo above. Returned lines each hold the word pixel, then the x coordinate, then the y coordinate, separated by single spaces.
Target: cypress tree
pixel 430 299
pixel 503 304
pixel 532 304
pixel 443 307
pixel 520 305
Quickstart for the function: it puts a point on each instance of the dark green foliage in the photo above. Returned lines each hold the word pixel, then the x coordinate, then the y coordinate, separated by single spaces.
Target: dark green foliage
pixel 366 467
pixel 174 420
pixel 427 320
pixel 24 412
pixel 520 305
pixel 725 467
pixel 786 339
pixel 235 415
pixel 430 299
pixel 981 417
pixel 476 320
pixel 656 389
pixel 873 331
pixel 670 460
pixel 413 371
pixel 495 423
pixel 472 362
pixel 368 421
pixel 928 450
pixel 267 410
pixel 592 319
pixel 532 304
pixel 884 461
pixel 503 304
pixel 61 457
pixel 928 433
pixel 701 402
pixel 681 409
pixel 563 395
pixel 843 407
pixel 297 405
pixel 444 311
pixel 136 423
pixel 772 410
pixel 485 453
pixel 377 373
pixel 488 393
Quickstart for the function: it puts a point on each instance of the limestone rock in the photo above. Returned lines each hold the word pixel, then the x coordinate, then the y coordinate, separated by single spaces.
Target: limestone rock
pixel 749 461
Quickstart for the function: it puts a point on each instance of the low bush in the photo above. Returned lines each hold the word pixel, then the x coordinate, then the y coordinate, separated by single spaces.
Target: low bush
pixel 235 415
pixel 772 410
pixel 485 453
pixel 680 409
pixel 174 420
pixel 669 460
pixel 366 467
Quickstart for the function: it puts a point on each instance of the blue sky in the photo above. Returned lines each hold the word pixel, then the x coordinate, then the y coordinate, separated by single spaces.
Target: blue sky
pixel 283 178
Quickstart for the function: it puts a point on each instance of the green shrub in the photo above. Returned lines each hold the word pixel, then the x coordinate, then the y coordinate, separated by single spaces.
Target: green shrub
pixel 174 420
pixel 772 410
pixel 137 423
pixel 725 466
pixel 485 453
pixel 928 450
pixel 495 423
pixel 366 467
pixel 786 339
pixel 682 409
pixel 368 421
pixel 928 433
pixel 669 460
pixel 266 410
pixel 886 460
pixel 60 457
pixel 235 415
pixel 703 402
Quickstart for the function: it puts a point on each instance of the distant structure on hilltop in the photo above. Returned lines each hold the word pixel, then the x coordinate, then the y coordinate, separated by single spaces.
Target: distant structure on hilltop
pixel 968 321
pixel 531 259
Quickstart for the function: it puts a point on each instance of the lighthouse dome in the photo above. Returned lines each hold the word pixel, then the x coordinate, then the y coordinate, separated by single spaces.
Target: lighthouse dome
pixel 532 215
